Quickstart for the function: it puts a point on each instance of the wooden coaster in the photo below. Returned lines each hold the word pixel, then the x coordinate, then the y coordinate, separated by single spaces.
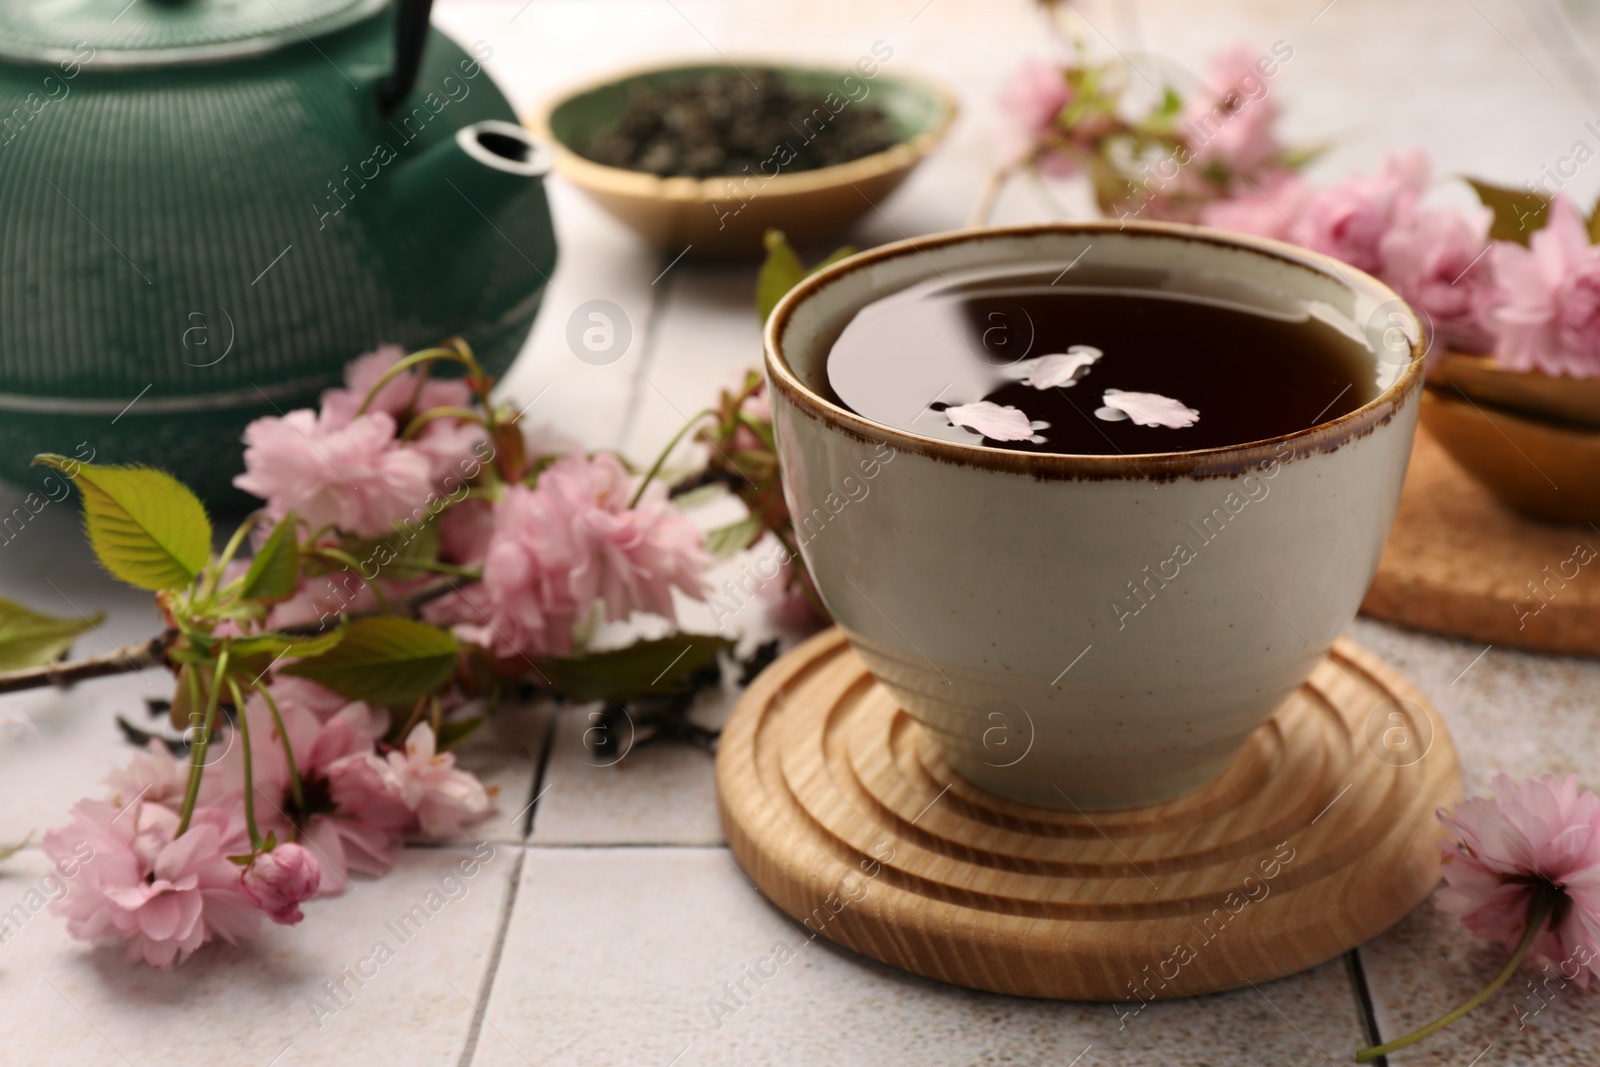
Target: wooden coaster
pixel 1458 563
pixel 839 809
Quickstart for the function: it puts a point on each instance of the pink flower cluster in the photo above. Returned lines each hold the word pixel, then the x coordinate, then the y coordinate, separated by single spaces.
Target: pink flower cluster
pixel 1222 164
pixel 1542 834
pixel 1536 308
pixel 1549 316
pixel 164 894
pixel 1434 258
pixel 556 550
pixel 354 471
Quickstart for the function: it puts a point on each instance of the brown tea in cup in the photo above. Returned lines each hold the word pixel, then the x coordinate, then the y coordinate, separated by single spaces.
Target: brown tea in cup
pixel 1098 361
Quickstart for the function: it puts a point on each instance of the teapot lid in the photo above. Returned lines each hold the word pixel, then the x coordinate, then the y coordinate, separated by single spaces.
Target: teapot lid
pixel 148 33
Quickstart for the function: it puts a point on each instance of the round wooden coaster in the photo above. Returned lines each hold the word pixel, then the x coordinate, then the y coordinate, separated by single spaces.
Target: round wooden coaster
pixel 1458 563
pixel 1320 835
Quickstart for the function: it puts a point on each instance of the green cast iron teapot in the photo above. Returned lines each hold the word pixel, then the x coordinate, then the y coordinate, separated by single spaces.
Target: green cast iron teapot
pixel 207 207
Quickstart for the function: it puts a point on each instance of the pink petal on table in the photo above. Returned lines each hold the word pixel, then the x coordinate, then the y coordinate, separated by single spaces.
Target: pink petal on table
pixel 991 420
pixel 1047 372
pixel 1147 409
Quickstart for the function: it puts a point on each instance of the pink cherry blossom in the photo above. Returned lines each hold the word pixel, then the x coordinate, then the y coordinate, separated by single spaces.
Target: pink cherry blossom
pixel 991 420
pixel 1435 259
pixel 357 822
pixel 1541 831
pixel 1147 409
pixel 1030 104
pixel 399 396
pixel 444 441
pixel 1348 221
pixel 153 775
pixel 524 606
pixel 322 703
pixel 443 798
pixel 1230 124
pixel 629 558
pixel 162 896
pixel 573 541
pixel 365 825
pixel 280 880
pixel 465 530
pixel 1268 208
pixel 1549 317
pixel 356 476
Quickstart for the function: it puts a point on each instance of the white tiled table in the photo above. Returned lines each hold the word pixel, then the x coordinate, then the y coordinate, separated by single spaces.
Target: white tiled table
pixel 609 915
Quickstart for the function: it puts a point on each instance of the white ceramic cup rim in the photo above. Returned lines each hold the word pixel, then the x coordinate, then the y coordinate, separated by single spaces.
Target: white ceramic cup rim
pixel 1224 461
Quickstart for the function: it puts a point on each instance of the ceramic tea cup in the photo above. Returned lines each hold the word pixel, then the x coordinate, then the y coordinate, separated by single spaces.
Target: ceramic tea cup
pixel 1092 631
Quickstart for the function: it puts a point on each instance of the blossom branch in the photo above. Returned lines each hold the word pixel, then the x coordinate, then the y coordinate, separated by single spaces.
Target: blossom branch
pixel 151 653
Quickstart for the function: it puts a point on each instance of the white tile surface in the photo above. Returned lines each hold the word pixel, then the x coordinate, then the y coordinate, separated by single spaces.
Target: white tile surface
pixel 68 1004
pixel 658 794
pixel 657 933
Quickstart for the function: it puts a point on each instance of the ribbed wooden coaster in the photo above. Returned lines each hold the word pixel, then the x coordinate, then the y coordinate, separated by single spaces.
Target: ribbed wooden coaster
pixel 1320 835
pixel 1459 563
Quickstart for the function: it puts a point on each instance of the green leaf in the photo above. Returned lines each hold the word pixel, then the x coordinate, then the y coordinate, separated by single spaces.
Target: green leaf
pixel 28 639
pixel 386 660
pixel 275 570
pixel 781 272
pixel 1517 212
pixel 254 654
pixel 647 668
pixel 396 557
pixel 724 541
pixel 454 731
pixel 1594 224
pixel 146 526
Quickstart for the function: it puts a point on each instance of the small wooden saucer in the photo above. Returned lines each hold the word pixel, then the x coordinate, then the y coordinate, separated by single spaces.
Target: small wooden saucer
pixel 1459 563
pixel 1320 835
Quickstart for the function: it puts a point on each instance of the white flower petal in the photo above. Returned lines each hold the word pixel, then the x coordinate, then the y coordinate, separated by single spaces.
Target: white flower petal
pixel 991 420
pixel 1149 409
pixel 1062 369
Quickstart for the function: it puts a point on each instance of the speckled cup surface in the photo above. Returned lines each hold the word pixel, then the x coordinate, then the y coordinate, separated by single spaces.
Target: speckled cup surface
pixel 1091 632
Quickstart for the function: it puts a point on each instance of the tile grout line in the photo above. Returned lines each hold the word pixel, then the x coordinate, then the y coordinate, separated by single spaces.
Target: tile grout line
pixel 648 343
pixel 1369 1017
pixel 486 987
pixel 469 1048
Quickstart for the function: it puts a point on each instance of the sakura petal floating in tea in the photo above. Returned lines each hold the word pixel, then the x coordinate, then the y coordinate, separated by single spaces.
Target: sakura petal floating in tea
pixel 995 422
pixel 1146 409
pixel 1061 369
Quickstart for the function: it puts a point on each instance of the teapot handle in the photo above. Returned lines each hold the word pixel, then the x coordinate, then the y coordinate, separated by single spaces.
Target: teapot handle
pixel 411 34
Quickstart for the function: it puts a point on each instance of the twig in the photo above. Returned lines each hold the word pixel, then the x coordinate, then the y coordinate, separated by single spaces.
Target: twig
pixel 153 653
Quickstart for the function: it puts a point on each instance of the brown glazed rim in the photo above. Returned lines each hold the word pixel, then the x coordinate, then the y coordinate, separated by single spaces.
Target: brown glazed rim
pixel 1227 461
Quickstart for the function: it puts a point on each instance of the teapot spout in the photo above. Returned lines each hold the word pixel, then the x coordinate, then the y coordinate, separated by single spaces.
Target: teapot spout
pixel 486 164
